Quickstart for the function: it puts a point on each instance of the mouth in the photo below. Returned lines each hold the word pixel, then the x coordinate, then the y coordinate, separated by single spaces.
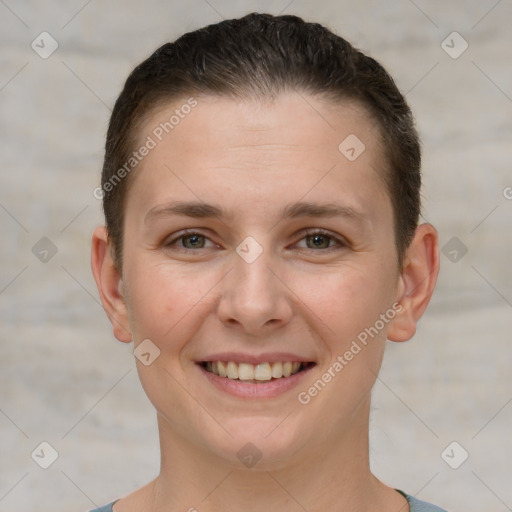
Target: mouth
pixel 256 373
pixel 250 376
pixel 259 374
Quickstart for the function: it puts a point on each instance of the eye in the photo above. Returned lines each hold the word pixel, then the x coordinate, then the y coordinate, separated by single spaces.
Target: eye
pixel 314 239
pixel 189 240
pixel 319 239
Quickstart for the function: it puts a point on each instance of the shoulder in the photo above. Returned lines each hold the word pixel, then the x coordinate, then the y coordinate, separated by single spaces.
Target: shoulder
pixel 414 504
pixel 417 505
pixel 106 508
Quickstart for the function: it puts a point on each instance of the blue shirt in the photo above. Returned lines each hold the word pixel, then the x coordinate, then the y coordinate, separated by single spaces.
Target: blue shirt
pixel 415 505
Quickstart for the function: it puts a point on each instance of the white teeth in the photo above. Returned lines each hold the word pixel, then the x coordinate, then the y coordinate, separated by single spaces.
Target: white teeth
pixel 263 372
pixel 277 370
pixel 232 370
pixel 222 369
pixel 245 371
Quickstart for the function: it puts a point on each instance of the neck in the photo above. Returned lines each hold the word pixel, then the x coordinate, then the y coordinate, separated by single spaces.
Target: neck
pixel 331 474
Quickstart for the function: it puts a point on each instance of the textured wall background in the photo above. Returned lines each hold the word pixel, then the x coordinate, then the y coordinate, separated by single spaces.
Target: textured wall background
pixel 64 379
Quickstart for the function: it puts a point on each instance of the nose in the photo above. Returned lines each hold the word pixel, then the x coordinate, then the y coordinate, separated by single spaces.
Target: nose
pixel 254 297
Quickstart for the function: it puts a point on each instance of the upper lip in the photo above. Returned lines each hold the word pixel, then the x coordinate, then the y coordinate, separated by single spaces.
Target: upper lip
pixel 268 357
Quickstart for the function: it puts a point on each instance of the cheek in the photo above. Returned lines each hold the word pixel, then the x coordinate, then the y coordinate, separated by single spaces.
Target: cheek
pixel 164 301
pixel 346 300
pixel 348 305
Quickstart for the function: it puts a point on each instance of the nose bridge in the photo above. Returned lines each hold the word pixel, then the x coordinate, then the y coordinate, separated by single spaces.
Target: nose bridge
pixel 252 295
pixel 253 278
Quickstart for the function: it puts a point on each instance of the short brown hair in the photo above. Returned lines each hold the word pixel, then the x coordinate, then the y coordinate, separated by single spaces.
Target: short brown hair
pixel 258 56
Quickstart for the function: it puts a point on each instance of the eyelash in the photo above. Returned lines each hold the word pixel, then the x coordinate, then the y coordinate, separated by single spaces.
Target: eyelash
pixel 310 232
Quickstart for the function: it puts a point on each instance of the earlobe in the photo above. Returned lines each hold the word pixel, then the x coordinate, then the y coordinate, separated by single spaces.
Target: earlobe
pixel 417 282
pixel 110 285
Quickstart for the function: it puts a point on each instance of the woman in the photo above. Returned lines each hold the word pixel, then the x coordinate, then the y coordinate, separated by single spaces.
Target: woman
pixel 261 195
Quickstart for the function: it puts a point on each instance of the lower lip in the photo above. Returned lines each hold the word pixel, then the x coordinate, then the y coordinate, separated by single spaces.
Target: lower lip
pixel 246 389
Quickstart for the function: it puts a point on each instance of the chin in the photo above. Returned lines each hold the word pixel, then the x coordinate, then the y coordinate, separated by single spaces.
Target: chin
pixel 259 443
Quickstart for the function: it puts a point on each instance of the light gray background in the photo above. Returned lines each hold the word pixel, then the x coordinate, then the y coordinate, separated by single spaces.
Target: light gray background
pixel 64 378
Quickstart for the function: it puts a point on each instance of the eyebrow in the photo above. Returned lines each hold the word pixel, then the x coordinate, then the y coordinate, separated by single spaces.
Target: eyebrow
pixel 200 210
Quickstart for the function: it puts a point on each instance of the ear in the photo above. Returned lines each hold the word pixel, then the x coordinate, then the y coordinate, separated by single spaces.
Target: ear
pixel 110 285
pixel 417 282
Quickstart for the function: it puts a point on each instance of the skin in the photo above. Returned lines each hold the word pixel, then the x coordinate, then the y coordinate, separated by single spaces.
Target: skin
pixel 253 159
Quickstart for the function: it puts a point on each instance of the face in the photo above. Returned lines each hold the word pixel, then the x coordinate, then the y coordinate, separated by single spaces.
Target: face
pixel 255 246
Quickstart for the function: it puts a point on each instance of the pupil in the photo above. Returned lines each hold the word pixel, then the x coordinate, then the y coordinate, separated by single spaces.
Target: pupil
pixel 319 240
pixel 193 240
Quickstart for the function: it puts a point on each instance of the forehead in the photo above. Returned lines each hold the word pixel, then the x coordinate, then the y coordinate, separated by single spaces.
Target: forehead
pixel 259 153
pixel 296 119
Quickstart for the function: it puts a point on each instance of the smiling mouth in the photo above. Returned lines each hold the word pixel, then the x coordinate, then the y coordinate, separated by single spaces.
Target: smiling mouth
pixel 263 372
